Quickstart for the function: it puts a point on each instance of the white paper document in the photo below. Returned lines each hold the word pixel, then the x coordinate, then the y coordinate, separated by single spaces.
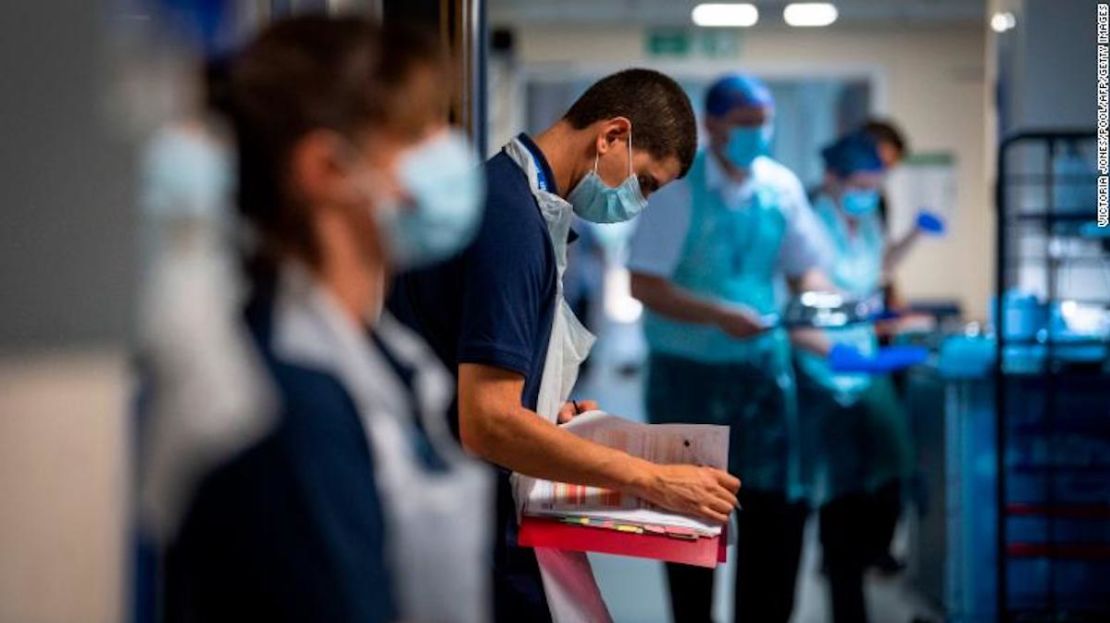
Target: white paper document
pixel 697 444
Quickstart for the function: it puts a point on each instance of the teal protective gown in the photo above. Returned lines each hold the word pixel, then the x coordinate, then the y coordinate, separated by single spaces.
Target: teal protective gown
pixel 698 373
pixel 854 430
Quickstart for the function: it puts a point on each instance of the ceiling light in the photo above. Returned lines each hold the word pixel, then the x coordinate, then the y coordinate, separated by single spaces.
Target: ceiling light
pixel 809 14
pixel 1001 22
pixel 718 15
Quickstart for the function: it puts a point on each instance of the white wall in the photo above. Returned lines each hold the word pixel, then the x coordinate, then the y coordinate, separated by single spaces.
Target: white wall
pixel 1046 66
pixel 1051 57
pixel 930 79
pixel 63 486
pixel 66 266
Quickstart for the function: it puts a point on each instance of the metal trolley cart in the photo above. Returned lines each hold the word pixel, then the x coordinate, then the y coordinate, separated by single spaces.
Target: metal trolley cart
pixel 1051 385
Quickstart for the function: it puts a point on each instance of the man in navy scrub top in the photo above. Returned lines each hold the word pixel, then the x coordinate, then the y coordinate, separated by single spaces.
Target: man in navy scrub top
pixel 496 317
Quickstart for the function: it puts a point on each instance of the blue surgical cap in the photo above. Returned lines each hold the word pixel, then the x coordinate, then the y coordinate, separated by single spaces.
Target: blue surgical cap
pixel 202 23
pixel 852 153
pixel 737 91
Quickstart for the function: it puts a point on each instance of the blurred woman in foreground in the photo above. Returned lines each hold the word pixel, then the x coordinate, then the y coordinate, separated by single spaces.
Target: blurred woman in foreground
pixel 355 505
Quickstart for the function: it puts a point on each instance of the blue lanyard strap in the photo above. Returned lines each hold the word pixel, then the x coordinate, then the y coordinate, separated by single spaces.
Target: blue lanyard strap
pixel 541 176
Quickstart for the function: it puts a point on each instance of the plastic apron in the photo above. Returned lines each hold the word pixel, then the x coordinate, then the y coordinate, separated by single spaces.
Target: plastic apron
pixel 436 519
pixel 731 255
pixel 854 267
pixel 859 433
pixel 568 580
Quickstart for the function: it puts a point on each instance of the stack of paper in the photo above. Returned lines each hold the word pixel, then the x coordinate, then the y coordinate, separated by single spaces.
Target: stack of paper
pixel 698 444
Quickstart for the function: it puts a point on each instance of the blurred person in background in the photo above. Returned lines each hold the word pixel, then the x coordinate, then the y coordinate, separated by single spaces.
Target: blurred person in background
pixel 893 148
pixel 189 327
pixel 704 261
pixel 497 316
pixel 353 503
pixel 891 143
pixel 846 400
pixel 190 339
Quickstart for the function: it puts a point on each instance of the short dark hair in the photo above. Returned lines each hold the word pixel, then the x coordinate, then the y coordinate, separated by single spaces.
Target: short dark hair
pixel 662 118
pixel 886 131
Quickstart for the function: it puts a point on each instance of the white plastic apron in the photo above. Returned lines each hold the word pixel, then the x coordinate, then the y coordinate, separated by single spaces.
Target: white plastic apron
pixel 437 522
pixel 568 581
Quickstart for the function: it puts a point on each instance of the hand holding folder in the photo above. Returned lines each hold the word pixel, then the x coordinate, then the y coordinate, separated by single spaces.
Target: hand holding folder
pixel 580 518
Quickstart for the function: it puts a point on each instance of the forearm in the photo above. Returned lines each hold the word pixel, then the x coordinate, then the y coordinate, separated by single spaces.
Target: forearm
pixel 494 426
pixel 666 299
pixel 814 341
pixel 524 442
pixel 897 250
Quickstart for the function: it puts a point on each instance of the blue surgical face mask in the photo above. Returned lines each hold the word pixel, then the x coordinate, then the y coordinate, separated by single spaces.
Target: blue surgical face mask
pixel 859 202
pixel 594 201
pixel 186 174
pixel 444 188
pixel 745 144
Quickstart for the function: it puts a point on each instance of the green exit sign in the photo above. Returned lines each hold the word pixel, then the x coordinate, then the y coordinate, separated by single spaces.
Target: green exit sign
pixel 668 42
pixel 681 43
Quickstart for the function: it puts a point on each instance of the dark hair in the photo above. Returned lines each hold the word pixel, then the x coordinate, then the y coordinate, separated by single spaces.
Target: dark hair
pixel 662 118
pixel 299 75
pixel 885 131
pixel 852 153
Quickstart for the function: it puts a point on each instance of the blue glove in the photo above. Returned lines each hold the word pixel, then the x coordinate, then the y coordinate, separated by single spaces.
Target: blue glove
pixel 931 223
pixel 891 358
pixel 844 358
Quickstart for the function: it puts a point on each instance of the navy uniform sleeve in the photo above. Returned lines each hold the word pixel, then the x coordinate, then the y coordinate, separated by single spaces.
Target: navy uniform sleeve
pixel 508 276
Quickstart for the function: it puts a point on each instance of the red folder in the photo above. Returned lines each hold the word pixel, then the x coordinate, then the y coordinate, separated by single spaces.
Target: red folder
pixel 702 552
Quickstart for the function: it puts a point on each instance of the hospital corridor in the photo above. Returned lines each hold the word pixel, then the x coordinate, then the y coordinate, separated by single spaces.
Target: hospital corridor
pixel 567 311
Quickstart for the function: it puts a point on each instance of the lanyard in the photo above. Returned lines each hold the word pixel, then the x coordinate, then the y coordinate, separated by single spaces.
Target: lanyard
pixel 541 175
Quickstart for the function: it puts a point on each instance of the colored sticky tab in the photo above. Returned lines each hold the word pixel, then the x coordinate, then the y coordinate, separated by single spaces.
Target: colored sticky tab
pixel 682 533
pixel 630 528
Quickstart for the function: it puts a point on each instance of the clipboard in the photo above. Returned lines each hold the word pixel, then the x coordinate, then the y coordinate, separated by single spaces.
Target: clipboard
pixel 702 552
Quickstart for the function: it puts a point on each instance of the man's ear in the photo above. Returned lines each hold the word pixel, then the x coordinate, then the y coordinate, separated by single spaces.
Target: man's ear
pixel 618 129
pixel 613 130
pixel 317 168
